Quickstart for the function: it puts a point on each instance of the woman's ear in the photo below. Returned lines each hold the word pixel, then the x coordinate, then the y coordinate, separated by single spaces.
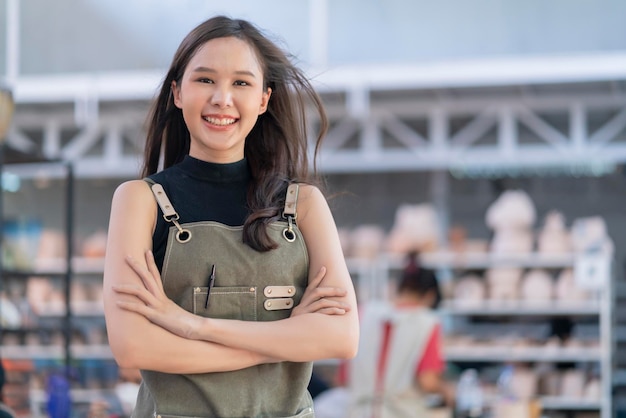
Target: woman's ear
pixel 265 100
pixel 176 94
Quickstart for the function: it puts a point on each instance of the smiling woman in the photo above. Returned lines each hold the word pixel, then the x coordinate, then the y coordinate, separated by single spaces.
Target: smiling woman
pixel 224 275
pixel 221 98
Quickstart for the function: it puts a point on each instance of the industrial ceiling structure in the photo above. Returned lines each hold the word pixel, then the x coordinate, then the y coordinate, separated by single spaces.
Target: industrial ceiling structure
pixel 478 116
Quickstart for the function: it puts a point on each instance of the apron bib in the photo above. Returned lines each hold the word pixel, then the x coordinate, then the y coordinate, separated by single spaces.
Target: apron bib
pixel 248 285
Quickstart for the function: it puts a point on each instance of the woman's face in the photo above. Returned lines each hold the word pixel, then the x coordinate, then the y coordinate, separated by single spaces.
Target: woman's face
pixel 221 96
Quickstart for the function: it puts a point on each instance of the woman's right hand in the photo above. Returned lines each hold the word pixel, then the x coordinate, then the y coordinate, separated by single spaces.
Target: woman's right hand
pixel 153 303
pixel 320 299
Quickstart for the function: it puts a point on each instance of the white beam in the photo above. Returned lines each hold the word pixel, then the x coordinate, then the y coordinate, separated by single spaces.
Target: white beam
pixel 403 133
pixel 578 125
pixel 507 132
pixel 609 130
pixel 438 131
pixel 81 143
pixel 62 88
pixel 480 72
pixel 52 138
pixel 12 41
pixel 541 128
pixel 474 129
pixel 318 33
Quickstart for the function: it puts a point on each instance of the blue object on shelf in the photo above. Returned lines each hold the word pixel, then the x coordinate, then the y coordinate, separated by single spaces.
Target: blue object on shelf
pixel 59 402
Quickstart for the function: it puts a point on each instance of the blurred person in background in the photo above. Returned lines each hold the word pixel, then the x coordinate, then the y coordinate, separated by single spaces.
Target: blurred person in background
pixel 122 402
pixel 5 411
pixel 400 360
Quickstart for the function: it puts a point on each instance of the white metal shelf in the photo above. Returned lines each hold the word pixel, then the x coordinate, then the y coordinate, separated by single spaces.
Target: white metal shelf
pixel 569 403
pixel 80 265
pixel 521 308
pixel 90 351
pixel 504 353
pixel 78 395
pixel 484 260
pixel 47 352
pixel 79 309
pixel 58 266
pixel 32 352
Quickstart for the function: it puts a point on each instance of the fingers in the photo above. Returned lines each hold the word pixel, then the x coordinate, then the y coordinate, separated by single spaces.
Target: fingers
pixel 139 269
pixel 150 276
pixel 324 303
pixel 320 299
pixel 134 307
pixel 318 278
pixel 327 292
pixel 152 267
pixel 323 306
pixel 133 290
pixel 332 311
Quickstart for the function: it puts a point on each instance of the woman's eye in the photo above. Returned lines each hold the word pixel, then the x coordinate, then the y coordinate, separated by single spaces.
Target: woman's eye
pixel 205 80
pixel 241 83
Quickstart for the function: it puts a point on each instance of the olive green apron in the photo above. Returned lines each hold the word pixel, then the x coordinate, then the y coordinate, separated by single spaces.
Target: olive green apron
pixel 249 286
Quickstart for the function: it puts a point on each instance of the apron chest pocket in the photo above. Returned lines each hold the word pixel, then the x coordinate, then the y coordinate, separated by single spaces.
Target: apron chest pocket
pixel 231 302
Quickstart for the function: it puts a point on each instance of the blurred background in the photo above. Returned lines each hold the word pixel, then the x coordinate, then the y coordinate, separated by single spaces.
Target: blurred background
pixel 489 136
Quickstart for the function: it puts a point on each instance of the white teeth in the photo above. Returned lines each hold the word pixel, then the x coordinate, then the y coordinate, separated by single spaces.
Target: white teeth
pixel 219 121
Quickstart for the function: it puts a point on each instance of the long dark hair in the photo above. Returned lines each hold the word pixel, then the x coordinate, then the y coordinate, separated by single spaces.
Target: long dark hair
pixel 419 280
pixel 276 148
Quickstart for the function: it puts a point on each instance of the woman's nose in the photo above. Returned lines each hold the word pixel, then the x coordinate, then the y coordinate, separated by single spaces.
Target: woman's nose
pixel 222 97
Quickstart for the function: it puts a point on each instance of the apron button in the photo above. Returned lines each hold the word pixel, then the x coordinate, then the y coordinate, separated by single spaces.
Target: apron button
pixel 252 289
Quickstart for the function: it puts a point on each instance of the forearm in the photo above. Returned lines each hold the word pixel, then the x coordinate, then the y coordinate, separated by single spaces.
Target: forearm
pixel 152 348
pixel 305 337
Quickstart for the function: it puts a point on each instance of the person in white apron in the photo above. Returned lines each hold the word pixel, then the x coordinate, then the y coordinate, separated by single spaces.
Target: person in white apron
pixel 224 274
pixel 399 358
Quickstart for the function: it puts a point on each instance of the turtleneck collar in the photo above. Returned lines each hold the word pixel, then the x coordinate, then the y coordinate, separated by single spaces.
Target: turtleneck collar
pixel 215 172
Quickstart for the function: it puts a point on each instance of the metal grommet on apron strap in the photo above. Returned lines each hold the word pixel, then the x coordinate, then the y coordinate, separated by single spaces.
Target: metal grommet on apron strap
pixel 291 201
pixel 169 214
pixel 288 232
pixel 182 235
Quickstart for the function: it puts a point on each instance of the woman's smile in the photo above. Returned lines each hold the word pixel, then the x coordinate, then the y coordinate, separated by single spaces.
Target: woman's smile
pixel 219 120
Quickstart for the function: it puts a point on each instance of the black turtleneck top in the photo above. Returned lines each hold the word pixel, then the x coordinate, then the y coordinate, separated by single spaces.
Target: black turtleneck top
pixel 201 191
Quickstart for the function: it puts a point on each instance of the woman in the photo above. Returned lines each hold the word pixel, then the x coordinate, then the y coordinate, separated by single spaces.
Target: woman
pixel 224 275
pixel 400 357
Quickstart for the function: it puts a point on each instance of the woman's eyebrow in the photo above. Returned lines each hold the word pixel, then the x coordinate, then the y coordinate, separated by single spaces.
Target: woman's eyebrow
pixel 213 71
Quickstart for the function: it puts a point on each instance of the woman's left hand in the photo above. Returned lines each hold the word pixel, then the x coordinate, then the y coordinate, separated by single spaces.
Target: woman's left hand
pixel 156 306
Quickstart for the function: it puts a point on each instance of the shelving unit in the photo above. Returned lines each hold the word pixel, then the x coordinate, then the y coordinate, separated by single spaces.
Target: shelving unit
pixel 454 313
pixel 618 344
pixel 51 340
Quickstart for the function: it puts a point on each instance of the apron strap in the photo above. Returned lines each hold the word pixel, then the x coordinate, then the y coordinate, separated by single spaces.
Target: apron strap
pixel 169 213
pixel 290 211
pixel 291 200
